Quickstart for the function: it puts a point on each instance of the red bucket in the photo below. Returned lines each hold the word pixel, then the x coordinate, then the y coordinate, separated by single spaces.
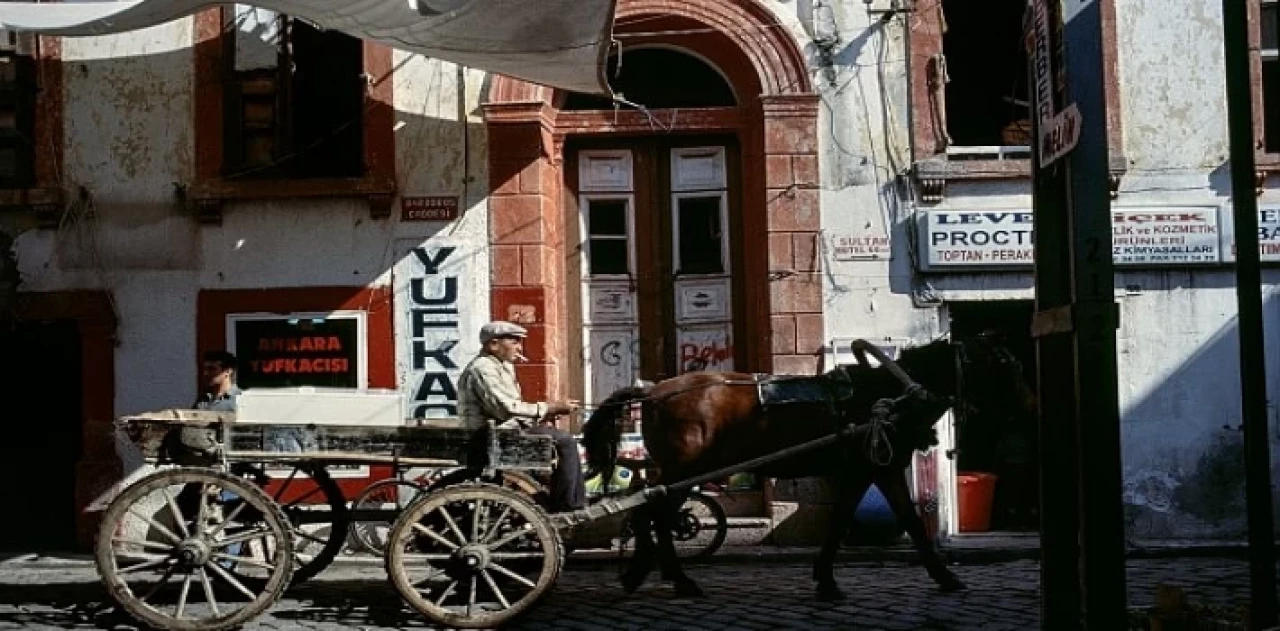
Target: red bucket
pixel 975 491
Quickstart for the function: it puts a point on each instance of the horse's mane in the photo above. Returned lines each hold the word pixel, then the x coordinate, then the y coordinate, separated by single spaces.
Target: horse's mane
pixel 928 364
pixel 920 362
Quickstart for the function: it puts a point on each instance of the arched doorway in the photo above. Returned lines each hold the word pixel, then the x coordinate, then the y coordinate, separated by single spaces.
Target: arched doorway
pixel 647 243
pixel 657 217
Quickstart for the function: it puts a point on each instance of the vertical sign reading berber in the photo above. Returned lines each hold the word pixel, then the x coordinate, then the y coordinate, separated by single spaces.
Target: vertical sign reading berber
pixel 434 311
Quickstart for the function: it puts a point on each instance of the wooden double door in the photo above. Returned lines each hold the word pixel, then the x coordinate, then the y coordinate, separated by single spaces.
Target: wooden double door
pixel 652 276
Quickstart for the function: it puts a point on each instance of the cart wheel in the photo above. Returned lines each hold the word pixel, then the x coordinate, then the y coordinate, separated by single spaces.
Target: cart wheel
pixel 317 513
pixel 176 550
pixel 700 527
pixel 383 495
pixel 473 556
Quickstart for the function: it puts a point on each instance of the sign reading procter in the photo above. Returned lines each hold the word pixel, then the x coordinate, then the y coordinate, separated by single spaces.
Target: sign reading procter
pixel 979 238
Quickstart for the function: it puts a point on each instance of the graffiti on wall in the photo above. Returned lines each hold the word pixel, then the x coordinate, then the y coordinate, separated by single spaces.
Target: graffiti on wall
pixel 705 348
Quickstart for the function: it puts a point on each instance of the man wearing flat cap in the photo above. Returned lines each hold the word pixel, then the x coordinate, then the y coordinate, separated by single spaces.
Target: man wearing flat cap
pixel 488 391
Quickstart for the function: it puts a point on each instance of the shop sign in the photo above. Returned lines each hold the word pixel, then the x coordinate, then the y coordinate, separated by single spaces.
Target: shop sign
pixel 978 238
pixel 1005 238
pixel 287 351
pixel 1165 236
pixel 436 208
pixel 435 323
pixel 868 245
pixel 1268 236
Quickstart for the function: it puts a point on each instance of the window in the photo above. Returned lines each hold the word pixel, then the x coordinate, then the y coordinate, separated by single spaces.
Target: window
pixel 1269 52
pixel 659 78
pixel 295 99
pixel 324 350
pixel 699 234
pixel 984 75
pixel 608 252
pixel 17 111
pixel 971 110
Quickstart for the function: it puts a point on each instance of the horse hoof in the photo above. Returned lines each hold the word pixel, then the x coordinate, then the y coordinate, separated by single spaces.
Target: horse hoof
pixel 688 589
pixel 950 584
pixel 830 594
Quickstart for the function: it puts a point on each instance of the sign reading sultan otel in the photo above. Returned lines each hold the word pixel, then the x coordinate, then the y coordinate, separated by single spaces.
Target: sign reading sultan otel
pixel 1182 235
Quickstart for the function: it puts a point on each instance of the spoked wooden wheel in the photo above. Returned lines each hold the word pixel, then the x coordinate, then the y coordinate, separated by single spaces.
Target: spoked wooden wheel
pixel 384 496
pixel 317 513
pixel 473 556
pixel 194 550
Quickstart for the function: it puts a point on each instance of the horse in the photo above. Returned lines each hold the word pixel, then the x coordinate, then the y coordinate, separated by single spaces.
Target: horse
pixel 701 422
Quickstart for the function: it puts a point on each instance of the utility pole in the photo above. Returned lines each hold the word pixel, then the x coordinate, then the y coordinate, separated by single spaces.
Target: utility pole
pixel 1253 389
pixel 1075 324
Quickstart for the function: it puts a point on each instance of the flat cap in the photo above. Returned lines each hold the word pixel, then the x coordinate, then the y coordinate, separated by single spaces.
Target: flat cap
pixel 500 328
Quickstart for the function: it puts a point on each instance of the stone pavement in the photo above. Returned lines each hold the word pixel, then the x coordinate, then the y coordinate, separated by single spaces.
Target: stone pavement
pixel 767 594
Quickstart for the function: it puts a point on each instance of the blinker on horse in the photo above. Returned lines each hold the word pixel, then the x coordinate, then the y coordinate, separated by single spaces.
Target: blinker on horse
pixel 702 422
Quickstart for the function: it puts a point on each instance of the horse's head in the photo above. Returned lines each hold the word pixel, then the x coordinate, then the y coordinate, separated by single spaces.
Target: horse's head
pixel 989 377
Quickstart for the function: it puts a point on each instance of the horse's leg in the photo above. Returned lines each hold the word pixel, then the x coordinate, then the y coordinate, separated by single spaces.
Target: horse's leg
pixel 643 558
pixel 849 491
pixel 666 511
pixel 893 484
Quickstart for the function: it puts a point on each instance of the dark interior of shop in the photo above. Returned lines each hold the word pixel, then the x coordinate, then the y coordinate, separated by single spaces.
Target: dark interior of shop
pixel 42 394
pixel 1007 448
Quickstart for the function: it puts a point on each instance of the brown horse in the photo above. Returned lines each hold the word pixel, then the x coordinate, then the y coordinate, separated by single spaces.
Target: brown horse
pixel 701 422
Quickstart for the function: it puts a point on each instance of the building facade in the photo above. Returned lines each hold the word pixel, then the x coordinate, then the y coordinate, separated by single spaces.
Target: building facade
pixel 802 174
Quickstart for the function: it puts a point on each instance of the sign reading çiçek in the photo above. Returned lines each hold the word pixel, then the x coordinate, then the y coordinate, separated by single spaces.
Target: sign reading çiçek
pixel 1165 235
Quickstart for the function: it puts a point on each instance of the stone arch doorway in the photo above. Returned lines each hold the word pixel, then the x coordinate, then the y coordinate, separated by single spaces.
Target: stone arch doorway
pixel 764 144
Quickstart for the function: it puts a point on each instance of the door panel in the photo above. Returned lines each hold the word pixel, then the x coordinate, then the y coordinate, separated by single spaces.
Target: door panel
pixel 700 258
pixel 606 224
pixel 656 280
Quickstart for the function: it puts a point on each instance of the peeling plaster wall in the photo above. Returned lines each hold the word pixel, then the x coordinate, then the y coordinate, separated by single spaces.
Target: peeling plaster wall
pixel 130 140
pixel 1178 350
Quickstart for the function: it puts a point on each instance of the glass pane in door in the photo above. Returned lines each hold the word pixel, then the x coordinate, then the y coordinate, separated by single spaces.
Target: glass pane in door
pixel 700 247
pixel 607 237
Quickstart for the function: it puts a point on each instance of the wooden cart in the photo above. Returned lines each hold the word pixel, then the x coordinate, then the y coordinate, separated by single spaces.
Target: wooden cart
pixel 472 555
pixel 214 541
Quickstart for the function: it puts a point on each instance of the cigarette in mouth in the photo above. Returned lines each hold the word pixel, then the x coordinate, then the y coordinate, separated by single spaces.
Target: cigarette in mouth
pixel 521 358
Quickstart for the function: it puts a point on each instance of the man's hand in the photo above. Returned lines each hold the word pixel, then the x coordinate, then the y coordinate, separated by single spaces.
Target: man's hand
pixel 559 408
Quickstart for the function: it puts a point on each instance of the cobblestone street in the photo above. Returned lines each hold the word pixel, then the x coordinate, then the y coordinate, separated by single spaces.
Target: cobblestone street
pixel 758 595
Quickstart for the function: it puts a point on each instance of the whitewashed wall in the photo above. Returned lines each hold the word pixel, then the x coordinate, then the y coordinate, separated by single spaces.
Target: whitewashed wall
pixel 1178 362
pixel 129 140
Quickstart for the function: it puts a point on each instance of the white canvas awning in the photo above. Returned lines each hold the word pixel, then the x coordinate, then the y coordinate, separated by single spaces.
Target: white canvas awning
pixel 559 43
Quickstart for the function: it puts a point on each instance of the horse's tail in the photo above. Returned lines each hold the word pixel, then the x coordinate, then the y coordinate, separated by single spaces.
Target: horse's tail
pixel 603 431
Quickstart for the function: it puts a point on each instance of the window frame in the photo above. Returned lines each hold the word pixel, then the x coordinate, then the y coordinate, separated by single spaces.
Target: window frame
pixel 286 106
pixel 1267 162
pixel 932 164
pixel 210 189
pixel 627 239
